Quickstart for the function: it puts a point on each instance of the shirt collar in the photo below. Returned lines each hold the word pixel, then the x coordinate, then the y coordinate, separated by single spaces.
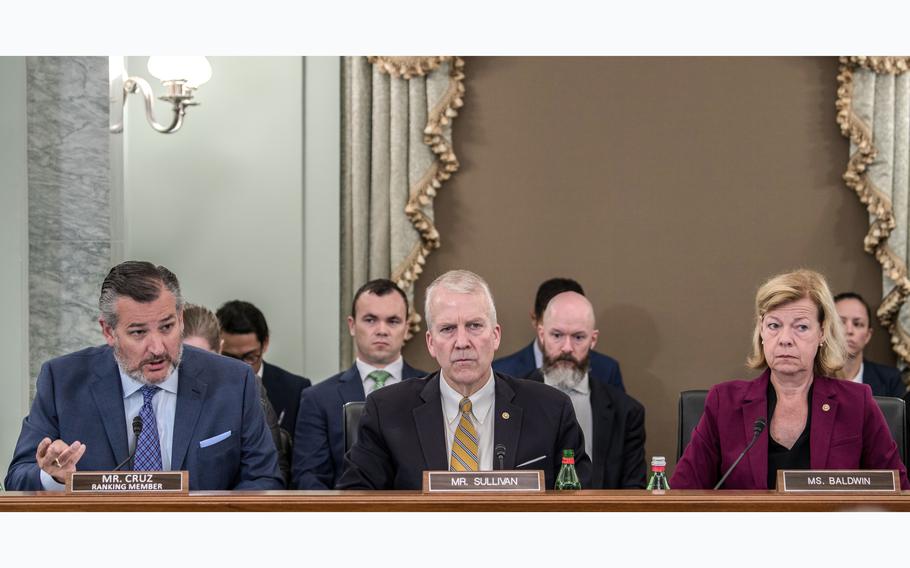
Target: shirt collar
pixel 538 354
pixel 481 401
pixel 583 386
pixel 131 385
pixel 261 369
pixel 394 368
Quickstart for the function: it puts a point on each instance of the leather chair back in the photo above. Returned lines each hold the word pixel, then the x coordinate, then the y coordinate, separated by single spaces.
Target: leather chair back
pixel 352 412
pixel 691 407
pixel 895 411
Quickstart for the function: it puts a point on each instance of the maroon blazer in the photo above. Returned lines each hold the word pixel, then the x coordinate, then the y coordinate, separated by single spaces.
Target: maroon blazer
pixel 851 434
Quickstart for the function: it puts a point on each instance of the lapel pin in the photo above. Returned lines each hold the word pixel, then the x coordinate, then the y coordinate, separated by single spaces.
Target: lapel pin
pixel 505 415
pixel 826 407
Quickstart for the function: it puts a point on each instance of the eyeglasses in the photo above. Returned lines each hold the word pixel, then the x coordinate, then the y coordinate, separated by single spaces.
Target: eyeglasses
pixel 251 358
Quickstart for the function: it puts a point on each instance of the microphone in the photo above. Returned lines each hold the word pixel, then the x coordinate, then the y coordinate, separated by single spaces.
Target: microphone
pixel 758 427
pixel 137 429
pixel 501 454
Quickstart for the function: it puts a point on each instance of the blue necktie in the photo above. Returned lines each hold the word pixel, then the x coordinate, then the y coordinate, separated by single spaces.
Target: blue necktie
pixel 148 448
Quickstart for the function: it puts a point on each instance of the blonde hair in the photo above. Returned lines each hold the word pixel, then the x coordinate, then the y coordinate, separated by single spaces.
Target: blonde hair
pixel 790 287
pixel 199 321
pixel 461 282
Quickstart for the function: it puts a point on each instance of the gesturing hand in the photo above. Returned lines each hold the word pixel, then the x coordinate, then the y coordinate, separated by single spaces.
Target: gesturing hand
pixel 58 458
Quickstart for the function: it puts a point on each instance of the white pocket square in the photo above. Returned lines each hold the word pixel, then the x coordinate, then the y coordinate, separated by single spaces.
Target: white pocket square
pixel 529 462
pixel 214 439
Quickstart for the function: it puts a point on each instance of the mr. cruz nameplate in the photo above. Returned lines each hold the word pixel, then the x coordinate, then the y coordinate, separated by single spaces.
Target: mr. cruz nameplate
pixel 838 481
pixel 105 482
pixel 522 481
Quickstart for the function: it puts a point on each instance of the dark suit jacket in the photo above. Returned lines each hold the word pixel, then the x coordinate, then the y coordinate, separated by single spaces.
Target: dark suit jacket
pixel 80 397
pixel 284 393
pixel 319 447
pixel 852 434
pixel 883 380
pixel 402 433
pixel 619 437
pixel 521 364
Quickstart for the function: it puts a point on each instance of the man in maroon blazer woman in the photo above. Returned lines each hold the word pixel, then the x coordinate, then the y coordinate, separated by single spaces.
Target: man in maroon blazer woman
pixel 814 421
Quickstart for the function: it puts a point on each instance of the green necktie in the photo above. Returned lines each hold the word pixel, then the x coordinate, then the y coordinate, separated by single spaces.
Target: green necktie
pixel 379 378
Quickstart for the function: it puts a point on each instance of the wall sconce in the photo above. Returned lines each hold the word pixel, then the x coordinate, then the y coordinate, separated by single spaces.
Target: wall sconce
pixel 181 76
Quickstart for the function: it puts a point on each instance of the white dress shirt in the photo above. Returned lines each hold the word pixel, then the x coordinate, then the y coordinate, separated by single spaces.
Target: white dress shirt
pixel 482 403
pixel 394 369
pixel 164 404
pixel 581 402
pixel 859 376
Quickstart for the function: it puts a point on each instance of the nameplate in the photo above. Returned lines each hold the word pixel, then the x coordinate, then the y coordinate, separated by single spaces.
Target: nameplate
pixel 106 482
pixel 838 481
pixel 504 481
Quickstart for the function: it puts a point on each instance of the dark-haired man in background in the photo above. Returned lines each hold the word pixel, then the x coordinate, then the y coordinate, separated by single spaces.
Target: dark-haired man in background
pixel 199 412
pixel 378 323
pixel 246 337
pixel 856 316
pixel 524 362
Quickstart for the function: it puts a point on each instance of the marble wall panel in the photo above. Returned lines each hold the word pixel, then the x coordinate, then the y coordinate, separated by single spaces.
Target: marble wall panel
pixel 69 210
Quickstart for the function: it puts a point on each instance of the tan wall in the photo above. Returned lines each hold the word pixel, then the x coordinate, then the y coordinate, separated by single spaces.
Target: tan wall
pixel 669 187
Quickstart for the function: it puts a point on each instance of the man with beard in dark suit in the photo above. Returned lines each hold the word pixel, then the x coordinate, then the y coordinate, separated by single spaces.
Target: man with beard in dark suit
pixel 378 323
pixel 453 419
pixel 613 422
pixel 527 360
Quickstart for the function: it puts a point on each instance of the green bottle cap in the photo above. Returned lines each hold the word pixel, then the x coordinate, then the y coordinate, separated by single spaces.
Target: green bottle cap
pixel 568 453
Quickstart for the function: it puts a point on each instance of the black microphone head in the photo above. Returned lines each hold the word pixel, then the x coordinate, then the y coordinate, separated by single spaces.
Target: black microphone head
pixel 759 425
pixel 500 450
pixel 137 425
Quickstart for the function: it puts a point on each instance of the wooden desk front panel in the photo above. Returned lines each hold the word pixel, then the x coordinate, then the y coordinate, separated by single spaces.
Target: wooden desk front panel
pixel 379 501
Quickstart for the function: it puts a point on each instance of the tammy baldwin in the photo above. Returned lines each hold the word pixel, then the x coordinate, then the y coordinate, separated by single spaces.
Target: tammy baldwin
pixel 814 421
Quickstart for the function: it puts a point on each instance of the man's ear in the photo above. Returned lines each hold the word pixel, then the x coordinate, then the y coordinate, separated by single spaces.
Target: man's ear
pixel 265 346
pixel 107 331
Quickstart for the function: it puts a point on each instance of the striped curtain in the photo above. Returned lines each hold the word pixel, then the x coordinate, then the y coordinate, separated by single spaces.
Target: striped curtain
pixel 397 152
pixel 873 107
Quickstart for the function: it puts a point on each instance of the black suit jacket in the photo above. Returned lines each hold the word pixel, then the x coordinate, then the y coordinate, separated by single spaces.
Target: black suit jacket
pixel 402 433
pixel 618 423
pixel 883 380
pixel 284 393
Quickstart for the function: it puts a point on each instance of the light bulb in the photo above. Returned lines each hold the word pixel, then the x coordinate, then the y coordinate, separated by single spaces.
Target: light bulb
pixel 194 70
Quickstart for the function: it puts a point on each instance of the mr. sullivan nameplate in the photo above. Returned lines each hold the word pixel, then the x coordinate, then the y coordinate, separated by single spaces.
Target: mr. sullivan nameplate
pixel 106 482
pixel 838 481
pixel 522 481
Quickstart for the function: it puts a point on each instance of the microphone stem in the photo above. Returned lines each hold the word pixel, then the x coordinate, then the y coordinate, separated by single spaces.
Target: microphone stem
pixel 736 463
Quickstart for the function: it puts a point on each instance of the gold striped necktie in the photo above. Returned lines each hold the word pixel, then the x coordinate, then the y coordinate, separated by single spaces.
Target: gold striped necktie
pixel 464 446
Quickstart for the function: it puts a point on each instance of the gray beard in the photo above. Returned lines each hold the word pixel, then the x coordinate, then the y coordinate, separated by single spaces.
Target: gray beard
pixel 137 375
pixel 565 377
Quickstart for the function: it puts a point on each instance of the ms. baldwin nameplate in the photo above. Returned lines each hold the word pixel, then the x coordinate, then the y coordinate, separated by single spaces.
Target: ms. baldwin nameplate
pixel 838 481
pixel 107 482
pixel 503 481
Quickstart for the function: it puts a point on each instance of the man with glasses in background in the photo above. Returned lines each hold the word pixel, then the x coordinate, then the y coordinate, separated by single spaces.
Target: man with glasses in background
pixel 246 337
